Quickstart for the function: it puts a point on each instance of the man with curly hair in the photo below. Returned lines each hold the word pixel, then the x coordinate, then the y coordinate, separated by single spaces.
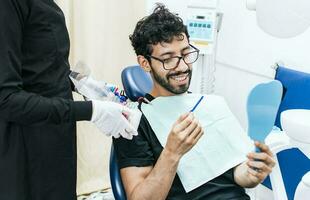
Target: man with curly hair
pixel 148 168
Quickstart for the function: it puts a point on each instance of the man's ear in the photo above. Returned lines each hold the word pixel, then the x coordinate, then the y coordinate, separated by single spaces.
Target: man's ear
pixel 144 63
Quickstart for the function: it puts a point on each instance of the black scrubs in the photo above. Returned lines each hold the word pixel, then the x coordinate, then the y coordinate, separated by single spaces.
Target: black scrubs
pixel 37 114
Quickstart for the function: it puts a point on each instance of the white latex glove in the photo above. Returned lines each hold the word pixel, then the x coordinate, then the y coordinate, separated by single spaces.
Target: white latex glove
pixel 109 117
pixel 92 89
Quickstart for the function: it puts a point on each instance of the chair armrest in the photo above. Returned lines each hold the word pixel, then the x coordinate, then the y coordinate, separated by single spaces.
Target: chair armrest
pixel 277 142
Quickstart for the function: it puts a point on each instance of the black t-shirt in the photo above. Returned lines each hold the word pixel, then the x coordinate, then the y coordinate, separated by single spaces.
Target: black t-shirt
pixel 145 149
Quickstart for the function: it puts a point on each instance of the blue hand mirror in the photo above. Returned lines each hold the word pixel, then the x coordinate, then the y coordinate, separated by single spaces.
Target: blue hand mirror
pixel 262 107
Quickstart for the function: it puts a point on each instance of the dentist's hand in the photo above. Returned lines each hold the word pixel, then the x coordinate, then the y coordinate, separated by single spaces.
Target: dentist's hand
pixel 185 133
pixel 109 117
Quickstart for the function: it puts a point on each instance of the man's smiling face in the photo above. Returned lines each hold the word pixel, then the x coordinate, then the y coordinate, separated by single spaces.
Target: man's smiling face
pixel 175 79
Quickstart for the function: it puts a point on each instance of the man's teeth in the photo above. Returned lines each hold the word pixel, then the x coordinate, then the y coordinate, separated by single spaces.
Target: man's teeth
pixel 181 77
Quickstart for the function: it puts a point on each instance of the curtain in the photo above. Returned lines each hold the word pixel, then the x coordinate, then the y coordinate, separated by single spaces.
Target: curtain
pixel 99 31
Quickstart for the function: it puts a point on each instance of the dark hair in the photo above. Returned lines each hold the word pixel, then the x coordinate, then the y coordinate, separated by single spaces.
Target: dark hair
pixel 160 26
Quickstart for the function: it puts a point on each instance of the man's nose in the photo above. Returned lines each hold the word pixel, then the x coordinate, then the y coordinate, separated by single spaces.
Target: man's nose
pixel 182 66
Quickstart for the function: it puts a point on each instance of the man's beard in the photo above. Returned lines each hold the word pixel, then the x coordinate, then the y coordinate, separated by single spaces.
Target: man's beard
pixel 164 82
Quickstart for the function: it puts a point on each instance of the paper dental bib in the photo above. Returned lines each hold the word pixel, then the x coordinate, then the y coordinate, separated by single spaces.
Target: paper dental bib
pixel 223 145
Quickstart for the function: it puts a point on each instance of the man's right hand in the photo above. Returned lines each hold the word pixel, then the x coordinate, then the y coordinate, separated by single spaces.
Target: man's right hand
pixel 185 133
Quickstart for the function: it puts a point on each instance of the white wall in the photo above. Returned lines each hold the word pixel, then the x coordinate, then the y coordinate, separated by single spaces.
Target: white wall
pixel 243 47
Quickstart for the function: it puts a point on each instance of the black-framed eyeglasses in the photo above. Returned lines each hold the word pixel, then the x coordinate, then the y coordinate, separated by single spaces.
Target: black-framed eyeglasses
pixel 173 62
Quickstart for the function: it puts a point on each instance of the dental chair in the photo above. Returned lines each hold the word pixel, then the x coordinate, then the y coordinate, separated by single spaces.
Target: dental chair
pixel 136 83
pixel 293 164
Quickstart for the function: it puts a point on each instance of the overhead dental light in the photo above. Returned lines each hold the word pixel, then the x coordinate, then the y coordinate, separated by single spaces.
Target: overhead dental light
pixel 281 18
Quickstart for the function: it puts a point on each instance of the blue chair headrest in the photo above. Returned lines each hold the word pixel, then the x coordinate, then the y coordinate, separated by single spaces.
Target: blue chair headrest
pixel 296 87
pixel 136 82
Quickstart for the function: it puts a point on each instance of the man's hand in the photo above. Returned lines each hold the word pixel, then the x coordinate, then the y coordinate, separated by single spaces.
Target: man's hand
pixel 260 164
pixel 185 133
pixel 154 182
pixel 256 168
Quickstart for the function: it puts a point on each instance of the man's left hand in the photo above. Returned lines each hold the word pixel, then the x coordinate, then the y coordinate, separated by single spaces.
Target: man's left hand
pixel 260 164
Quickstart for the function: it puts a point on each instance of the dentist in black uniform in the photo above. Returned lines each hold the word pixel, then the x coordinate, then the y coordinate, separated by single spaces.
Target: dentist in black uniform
pixel 37 114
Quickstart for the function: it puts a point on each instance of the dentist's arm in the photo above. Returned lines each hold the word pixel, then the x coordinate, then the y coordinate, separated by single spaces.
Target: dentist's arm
pixel 258 166
pixel 154 182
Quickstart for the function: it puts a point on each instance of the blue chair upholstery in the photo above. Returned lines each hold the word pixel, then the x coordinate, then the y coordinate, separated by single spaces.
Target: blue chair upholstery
pixel 115 178
pixel 136 83
pixel 296 90
pixel 296 95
